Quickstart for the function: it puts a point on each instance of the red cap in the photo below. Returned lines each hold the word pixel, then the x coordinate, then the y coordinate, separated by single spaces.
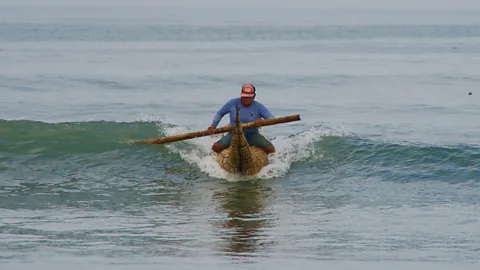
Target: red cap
pixel 248 90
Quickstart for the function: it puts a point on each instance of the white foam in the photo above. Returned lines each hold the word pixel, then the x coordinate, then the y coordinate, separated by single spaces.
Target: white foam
pixel 289 149
pixel 161 121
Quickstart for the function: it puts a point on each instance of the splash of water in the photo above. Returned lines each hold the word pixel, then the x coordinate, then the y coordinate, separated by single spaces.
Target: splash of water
pixel 289 149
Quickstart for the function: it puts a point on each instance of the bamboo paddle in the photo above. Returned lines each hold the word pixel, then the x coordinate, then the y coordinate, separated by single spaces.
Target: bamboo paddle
pixel 191 135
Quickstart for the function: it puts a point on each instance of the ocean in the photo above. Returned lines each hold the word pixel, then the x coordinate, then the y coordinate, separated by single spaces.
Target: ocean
pixel 381 172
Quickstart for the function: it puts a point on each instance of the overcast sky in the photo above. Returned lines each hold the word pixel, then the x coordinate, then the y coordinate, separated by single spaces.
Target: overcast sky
pixel 422 4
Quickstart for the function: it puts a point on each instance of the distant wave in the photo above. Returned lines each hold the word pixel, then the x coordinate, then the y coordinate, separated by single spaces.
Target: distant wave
pixel 157 32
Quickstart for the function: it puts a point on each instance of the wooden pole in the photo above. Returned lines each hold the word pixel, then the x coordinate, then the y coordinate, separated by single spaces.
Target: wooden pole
pixel 191 135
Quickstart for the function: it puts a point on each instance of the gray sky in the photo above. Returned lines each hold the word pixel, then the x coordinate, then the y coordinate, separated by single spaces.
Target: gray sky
pixel 422 4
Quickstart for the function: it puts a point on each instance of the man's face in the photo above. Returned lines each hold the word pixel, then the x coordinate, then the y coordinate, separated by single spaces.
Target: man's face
pixel 247 101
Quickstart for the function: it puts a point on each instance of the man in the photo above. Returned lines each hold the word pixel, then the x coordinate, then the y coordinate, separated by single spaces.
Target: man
pixel 250 111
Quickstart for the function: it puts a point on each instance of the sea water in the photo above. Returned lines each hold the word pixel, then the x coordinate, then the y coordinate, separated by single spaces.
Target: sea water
pixel 381 172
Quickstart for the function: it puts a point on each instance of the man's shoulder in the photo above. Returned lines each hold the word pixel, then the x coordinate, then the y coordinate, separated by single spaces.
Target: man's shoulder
pixel 233 100
pixel 230 103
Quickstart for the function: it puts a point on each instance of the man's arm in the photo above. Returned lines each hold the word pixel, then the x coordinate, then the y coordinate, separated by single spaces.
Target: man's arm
pixel 224 110
pixel 264 112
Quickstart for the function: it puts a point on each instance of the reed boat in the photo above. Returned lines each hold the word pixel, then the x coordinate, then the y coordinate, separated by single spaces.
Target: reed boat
pixel 240 157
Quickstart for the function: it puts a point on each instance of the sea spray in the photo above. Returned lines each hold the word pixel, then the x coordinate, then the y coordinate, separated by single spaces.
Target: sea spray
pixel 290 148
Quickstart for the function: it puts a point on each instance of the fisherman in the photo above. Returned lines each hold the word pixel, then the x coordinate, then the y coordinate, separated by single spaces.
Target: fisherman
pixel 250 111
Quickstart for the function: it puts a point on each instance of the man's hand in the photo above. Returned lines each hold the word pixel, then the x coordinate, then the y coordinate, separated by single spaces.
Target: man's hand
pixel 211 129
pixel 258 122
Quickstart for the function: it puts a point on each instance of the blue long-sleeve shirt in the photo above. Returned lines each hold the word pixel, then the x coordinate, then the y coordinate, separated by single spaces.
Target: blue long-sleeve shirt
pixel 247 114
